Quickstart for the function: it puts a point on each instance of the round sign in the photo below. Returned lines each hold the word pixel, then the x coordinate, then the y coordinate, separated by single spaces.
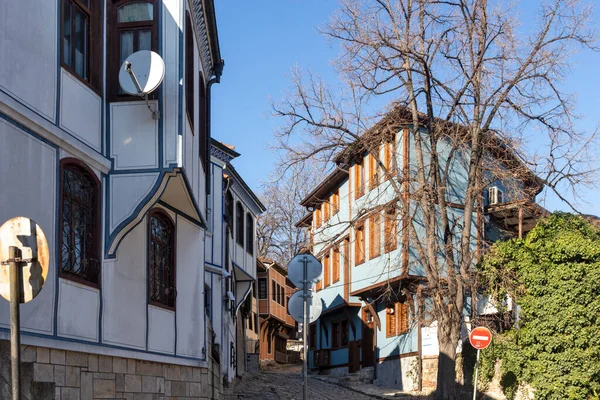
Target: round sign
pixel 296 306
pixel 149 70
pixel 27 235
pixel 314 269
pixel 480 337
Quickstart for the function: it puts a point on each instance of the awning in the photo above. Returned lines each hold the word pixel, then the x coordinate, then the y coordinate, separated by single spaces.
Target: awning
pixel 243 285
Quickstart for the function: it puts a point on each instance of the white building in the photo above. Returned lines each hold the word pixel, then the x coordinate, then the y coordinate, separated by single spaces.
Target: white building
pixel 230 257
pixel 121 196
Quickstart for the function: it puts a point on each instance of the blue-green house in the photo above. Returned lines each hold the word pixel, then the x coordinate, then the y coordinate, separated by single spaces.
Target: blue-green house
pixel 373 288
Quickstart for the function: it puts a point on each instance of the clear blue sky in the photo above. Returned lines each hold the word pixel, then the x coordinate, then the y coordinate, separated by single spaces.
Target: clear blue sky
pixel 261 41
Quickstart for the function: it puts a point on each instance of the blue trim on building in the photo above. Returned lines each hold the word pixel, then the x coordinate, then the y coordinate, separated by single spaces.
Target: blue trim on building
pixel 180 213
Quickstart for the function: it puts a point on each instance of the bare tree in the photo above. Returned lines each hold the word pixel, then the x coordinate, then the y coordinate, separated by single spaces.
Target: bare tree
pixel 464 79
pixel 277 234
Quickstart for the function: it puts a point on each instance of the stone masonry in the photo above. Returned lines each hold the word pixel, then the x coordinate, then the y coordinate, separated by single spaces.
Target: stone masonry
pixel 68 375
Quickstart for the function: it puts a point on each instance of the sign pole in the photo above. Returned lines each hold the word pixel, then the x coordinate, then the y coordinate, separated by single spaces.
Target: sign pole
pixel 15 325
pixel 305 324
pixel 476 370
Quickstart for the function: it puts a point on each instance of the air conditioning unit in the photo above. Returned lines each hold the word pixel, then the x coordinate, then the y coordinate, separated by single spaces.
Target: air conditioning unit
pixel 494 195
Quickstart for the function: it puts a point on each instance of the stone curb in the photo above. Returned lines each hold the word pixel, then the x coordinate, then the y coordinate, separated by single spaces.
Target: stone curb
pixel 354 389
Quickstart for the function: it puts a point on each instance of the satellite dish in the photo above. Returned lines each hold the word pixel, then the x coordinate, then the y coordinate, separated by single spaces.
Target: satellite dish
pixel 314 269
pixel 27 235
pixel 296 307
pixel 141 73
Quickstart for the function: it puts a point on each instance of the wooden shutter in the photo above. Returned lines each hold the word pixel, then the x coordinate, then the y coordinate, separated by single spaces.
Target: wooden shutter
pixel 374 236
pixel 325 211
pixel 373 176
pixel 402 317
pixel 391 229
pixel 359 188
pixel 390 320
pixel 336 265
pixel 326 271
pixel 359 243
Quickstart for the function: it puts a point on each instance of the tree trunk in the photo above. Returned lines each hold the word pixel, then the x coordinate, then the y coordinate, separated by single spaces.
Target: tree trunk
pixel 446 376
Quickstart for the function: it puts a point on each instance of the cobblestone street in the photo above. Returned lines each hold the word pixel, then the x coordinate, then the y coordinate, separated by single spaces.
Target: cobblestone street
pixel 286 384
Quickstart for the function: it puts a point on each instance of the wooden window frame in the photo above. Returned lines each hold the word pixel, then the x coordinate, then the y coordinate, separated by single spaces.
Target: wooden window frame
pixel 390 157
pixel 335 202
pixel 94 43
pixel 274 290
pixel 359 179
pixel 336 265
pixel 391 325
pixel 163 214
pixel 390 228
pixel 373 172
pixel 239 223
pixel 400 324
pixel 318 220
pixel 113 31
pixel 359 243
pixel 326 270
pixel 67 163
pixel 374 235
pixel 265 287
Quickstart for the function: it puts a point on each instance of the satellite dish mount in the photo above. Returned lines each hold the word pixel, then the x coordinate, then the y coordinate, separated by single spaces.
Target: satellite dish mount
pixel 141 74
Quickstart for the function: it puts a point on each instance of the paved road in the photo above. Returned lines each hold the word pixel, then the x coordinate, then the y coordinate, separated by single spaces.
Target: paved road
pixel 286 384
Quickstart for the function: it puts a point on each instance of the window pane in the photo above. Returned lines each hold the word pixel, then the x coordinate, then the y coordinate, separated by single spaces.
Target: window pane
pixel 67 33
pixel 145 40
pixel 126 45
pixel 135 12
pixel 81 29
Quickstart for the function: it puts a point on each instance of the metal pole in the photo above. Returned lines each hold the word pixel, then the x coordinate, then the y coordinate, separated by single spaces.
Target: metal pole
pixel 305 325
pixel 15 337
pixel 475 382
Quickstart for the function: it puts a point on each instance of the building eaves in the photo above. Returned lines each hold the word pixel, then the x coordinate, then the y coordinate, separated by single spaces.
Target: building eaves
pixel 222 151
pixel 320 193
pixel 246 188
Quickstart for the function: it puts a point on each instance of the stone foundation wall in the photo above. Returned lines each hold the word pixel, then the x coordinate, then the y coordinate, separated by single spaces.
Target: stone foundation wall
pixel 67 375
pixel 398 373
pixel 430 369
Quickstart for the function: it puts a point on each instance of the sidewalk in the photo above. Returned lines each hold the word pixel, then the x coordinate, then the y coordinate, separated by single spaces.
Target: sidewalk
pixel 378 392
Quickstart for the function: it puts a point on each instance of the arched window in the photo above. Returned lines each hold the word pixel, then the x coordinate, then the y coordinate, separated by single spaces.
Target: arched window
pixel 161 259
pixel 249 233
pixel 80 216
pixel 229 212
pixel 135 28
pixel 239 224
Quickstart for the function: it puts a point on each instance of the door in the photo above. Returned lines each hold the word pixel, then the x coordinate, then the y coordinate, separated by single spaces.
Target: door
pixel 353 356
pixel 368 338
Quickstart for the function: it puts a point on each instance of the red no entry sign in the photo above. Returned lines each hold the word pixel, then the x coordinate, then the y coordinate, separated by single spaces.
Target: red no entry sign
pixel 480 337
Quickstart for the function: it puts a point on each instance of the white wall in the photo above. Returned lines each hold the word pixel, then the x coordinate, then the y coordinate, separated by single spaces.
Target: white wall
pixel 28 178
pixel 29 41
pixel 190 288
pixel 124 292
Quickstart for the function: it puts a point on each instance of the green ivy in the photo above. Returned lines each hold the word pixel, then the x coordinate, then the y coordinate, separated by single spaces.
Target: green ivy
pixel 554 276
